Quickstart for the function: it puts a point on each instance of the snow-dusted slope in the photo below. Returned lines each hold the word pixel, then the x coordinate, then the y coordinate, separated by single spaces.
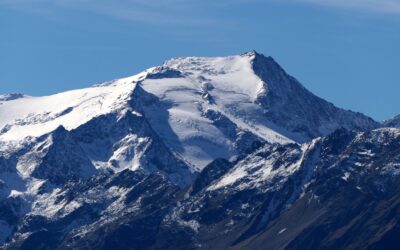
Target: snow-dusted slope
pixel 324 191
pixel 392 122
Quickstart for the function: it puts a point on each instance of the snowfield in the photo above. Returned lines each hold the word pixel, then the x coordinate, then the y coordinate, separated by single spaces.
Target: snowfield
pixel 36 116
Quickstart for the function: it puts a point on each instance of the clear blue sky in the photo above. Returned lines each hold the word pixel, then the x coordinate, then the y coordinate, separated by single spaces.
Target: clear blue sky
pixel 345 51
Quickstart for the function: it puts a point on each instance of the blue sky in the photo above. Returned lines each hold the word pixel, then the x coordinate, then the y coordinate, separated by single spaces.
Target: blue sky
pixel 345 51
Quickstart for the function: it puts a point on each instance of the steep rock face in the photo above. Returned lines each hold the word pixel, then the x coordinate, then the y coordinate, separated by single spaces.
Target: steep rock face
pixel 289 105
pixel 137 223
pixel 210 173
pixel 64 159
pixel 126 141
pixel 110 207
pixel 353 193
pixel 9 97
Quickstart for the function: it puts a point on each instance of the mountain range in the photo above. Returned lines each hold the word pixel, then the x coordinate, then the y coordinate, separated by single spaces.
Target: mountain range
pixel 198 153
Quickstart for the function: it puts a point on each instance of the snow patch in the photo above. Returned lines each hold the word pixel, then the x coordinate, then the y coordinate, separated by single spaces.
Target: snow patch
pixel 282 231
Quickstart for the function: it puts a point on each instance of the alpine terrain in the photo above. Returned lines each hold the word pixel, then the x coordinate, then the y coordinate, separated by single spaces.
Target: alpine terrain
pixel 198 153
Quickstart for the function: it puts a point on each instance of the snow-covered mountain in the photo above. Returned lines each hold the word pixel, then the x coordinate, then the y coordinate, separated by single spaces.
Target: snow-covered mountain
pixel 202 108
pixel 184 150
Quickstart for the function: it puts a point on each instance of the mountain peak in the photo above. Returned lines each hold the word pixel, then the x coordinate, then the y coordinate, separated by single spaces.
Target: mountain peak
pixel 252 53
